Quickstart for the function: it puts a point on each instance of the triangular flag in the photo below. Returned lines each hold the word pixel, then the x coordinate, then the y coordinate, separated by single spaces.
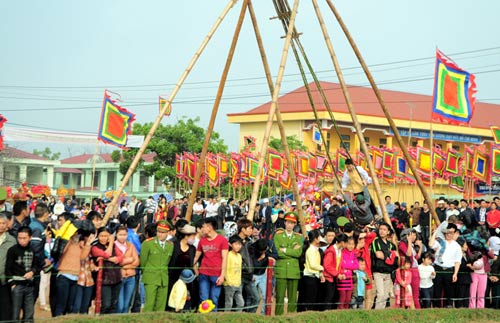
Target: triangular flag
pixel 162 104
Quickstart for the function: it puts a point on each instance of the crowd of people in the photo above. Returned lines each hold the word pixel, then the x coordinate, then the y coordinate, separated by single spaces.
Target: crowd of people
pixel 149 257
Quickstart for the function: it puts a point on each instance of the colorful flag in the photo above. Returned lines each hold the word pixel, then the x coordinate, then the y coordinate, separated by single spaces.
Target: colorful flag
pixel 454 91
pixel 480 170
pixel 2 121
pixel 162 104
pixel 496 134
pixel 316 136
pixel 495 160
pixel 249 142
pixel 116 123
pixel 212 171
pixel 179 168
pixel 275 162
pixel 452 163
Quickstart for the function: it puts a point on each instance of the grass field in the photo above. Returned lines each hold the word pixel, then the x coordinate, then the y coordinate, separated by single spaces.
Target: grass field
pixel 347 316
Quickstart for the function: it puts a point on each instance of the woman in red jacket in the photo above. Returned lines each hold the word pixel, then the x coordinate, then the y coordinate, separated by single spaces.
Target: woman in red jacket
pixel 331 263
pixel 493 218
pixel 363 242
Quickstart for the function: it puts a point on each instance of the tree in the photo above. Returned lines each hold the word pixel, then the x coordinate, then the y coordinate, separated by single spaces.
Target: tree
pixel 47 153
pixel 169 140
pixel 293 144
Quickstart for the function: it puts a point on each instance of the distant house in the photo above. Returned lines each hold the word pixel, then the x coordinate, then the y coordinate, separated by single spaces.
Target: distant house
pixel 17 166
pixel 76 172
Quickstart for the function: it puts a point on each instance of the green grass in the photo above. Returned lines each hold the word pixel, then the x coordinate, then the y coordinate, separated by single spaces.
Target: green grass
pixel 348 316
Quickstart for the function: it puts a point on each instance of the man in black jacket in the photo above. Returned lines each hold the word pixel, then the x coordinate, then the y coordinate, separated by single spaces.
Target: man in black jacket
pixel 384 262
pixel 245 230
pixel 20 268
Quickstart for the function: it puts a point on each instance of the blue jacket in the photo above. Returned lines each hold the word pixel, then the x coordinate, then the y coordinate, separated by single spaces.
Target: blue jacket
pixel 134 239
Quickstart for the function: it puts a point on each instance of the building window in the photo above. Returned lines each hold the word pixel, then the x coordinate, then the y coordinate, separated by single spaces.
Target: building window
pixel 111 179
pixel 367 140
pixel 65 177
pixel 328 140
pixel 382 141
pixel 414 143
pixel 97 176
pixel 457 148
pixel 346 139
pixel 144 182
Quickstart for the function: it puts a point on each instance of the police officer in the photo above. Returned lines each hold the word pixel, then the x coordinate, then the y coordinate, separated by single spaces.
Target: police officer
pixel 289 245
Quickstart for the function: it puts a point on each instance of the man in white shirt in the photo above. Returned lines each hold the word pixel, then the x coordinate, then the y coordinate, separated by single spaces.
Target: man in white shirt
pixel 212 207
pixel 452 210
pixel 447 262
pixel 131 206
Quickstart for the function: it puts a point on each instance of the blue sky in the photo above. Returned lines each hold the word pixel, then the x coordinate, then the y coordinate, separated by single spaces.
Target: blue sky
pixel 57 57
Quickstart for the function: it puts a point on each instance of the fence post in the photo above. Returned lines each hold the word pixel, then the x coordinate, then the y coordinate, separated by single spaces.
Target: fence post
pixel 269 286
pixel 98 289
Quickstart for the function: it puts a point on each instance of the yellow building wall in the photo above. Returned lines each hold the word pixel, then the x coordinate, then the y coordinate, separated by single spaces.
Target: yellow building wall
pixel 254 125
pixel 257 129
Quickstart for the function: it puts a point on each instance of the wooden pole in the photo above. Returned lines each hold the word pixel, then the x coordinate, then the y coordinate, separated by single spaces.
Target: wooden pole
pixel 431 179
pixel 274 106
pixel 215 109
pixel 357 125
pixel 381 101
pixel 157 122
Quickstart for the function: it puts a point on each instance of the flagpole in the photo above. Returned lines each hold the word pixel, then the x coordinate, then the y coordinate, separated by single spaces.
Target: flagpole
pixel 215 109
pixel 157 122
pixel 431 178
pixel 275 110
pixel 354 117
pixel 381 101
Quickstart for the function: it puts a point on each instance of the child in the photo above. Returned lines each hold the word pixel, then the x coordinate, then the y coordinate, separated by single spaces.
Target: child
pixel 179 296
pixel 232 283
pixel 362 280
pixel 427 274
pixel 106 250
pixel 20 267
pixel 402 285
pixel 348 264
pixel 479 280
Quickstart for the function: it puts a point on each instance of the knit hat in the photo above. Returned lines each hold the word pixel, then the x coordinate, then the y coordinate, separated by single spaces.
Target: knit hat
pixel 187 276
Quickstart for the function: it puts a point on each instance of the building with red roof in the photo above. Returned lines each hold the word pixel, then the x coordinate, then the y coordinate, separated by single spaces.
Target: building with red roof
pixel 410 112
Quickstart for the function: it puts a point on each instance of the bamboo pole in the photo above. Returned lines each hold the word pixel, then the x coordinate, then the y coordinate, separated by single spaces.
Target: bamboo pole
pixel 354 116
pixel 381 101
pixel 215 109
pixel 275 110
pixel 431 180
pixel 157 122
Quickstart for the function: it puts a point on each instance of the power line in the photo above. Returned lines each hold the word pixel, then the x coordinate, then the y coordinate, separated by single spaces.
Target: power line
pixel 237 79
pixel 207 99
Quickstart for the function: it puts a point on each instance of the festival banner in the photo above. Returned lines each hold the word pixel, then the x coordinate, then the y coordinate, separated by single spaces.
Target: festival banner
pixel 2 121
pixel 495 131
pixel 116 123
pixel 162 103
pixel 454 92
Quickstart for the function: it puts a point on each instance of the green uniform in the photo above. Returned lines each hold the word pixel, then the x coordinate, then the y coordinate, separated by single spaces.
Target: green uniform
pixel 287 270
pixel 154 264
